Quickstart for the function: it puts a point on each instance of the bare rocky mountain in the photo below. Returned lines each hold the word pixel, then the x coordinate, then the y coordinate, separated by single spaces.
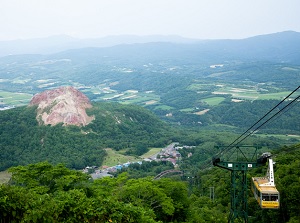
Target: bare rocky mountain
pixel 62 105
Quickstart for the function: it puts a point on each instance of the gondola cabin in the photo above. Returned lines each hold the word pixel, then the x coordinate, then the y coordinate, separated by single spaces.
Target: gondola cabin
pixel 267 196
pixel 265 191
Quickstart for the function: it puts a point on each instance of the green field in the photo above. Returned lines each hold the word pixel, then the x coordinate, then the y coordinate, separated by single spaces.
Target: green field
pixel 164 107
pixel 138 98
pixel 249 93
pixel 278 96
pixel 151 152
pixel 258 96
pixel 187 110
pixel 114 158
pixel 16 99
pixel 282 137
pixel 4 177
pixel 214 100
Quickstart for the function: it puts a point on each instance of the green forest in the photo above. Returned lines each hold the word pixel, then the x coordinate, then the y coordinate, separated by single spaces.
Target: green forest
pixel 117 126
pixel 43 192
pixel 202 96
pixel 46 187
pixel 130 128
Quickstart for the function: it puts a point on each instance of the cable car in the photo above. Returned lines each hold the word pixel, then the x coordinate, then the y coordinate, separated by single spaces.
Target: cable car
pixel 265 191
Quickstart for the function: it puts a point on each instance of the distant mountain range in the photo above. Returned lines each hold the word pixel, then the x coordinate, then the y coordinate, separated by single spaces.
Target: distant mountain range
pixel 56 44
pixel 281 47
pixel 143 65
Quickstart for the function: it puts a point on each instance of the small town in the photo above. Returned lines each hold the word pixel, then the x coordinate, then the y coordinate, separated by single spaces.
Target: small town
pixel 169 153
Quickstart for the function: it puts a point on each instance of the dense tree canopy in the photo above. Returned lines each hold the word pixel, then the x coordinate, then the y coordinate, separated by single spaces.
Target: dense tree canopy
pixel 116 126
pixel 43 192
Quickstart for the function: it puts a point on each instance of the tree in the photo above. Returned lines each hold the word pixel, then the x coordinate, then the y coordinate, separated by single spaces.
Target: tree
pixel 145 193
pixel 45 178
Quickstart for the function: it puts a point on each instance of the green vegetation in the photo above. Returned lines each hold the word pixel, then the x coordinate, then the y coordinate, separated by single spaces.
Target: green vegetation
pixel 247 113
pixel 148 169
pixel 250 93
pixel 288 138
pixel 114 157
pixel 189 88
pixel 43 192
pixel 14 99
pixel 132 130
pixel 287 179
pixel 151 152
pixel 116 126
pixel 213 101
pixel 276 96
pixel 180 81
pixel 164 107
pixel 4 176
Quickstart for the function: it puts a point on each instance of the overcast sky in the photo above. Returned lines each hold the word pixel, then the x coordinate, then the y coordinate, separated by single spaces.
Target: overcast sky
pixel 201 19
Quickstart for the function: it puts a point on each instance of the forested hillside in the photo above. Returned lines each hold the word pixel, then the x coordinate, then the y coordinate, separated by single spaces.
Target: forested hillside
pixel 247 113
pixel 147 95
pixel 116 126
pixel 133 130
pixel 45 193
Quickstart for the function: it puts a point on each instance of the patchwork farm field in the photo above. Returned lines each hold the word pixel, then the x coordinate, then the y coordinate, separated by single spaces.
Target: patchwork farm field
pixel 250 94
pixel 14 99
pixel 237 92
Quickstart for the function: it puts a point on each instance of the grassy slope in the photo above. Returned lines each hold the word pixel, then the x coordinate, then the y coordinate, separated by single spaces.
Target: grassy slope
pixel 114 157
pixel 4 176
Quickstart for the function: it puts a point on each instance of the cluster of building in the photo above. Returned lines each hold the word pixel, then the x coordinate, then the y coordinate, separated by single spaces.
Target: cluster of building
pixel 6 107
pixel 169 153
pixel 105 171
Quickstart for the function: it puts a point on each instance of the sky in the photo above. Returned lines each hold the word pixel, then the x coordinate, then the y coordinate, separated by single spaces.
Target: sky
pixel 199 19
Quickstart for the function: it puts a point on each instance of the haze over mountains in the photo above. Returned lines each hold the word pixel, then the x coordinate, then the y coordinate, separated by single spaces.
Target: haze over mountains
pixel 181 78
pixel 54 44
pixel 278 47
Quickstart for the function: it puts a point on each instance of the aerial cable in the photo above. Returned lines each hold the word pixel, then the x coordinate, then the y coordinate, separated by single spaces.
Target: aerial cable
pixel 289 108
pixel 268 119
pixel 230 145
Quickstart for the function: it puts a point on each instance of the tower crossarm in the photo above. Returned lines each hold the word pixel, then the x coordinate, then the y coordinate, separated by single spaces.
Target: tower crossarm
pixel 237 166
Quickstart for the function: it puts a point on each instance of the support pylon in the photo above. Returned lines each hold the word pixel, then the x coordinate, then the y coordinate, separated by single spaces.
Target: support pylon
pixel 239 195
pixel 239 190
